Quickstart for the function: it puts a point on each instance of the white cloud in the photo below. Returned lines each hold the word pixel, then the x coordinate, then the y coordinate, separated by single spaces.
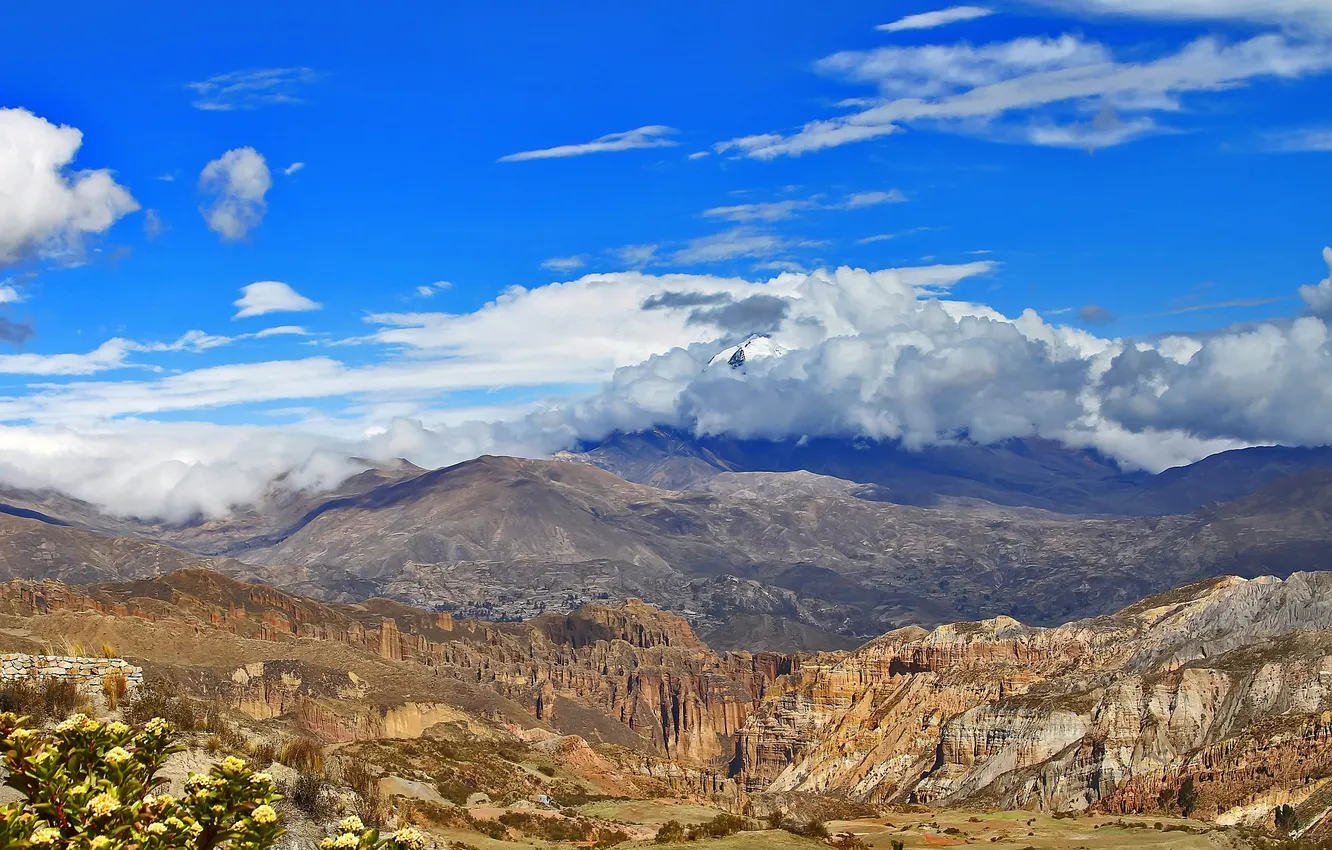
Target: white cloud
pixel 1027 89
pixel 564 264
pixel 293 168
pixel 1316 13
pixel 1316 139
pixel 885 354
pixel 109 355
pixel 636 256
pixel 45 208
pixel 1318 296
pixel 251 89
pixel 282 330
pixel 652 136
pixel 870 199
pixel 432 289
pixel 236 183
pixel 878 237
pixel 764 211
pixel 9 295
pixel 271 296
pixel 930 20
pixel 730 244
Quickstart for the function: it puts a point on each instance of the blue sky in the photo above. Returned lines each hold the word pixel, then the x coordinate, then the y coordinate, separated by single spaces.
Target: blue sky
pixel 1189 170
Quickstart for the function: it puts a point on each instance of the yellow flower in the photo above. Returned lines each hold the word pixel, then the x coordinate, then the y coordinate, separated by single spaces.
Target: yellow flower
pixel 87 724
pixel 264 814
pixel 117 755
pixel 409 838
pixel 351 824
pixel 196 828
pixel 347 839
pixel 165 800
pixel 69 724
pixel 157 726
pixel 45 835
pixel 103 804
pixel 156 828
pixel 19 736
pixel 260 778
pixel 233 765
pixel 175 822
pixel 115 727
pixel 100 842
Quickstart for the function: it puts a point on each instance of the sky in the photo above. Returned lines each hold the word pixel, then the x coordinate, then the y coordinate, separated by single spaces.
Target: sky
pixel 239 245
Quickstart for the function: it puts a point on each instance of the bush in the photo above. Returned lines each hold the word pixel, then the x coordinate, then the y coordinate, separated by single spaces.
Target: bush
pixel 719 827
pixel 307 793
pixel 88 779
pixel 157 699
pixel 303 754
pixel 40 699
pixel 671 832
pixel 371 806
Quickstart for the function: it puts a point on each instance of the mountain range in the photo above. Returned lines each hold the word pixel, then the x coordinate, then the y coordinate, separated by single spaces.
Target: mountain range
pixel 816 544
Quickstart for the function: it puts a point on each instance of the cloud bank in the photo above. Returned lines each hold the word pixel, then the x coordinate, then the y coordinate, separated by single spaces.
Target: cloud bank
pixel 891 354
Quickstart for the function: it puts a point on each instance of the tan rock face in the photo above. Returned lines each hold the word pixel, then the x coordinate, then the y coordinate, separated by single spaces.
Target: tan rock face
pixel 630 674
pixel 1216 698
pixel 1224 685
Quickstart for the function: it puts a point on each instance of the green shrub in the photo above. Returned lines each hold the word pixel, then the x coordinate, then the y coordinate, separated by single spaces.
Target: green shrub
pixel 90 785
pixel 719 827
pixel 671 832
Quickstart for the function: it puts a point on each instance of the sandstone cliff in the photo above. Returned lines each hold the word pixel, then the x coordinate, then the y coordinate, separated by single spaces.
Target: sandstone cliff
pixel 1214 698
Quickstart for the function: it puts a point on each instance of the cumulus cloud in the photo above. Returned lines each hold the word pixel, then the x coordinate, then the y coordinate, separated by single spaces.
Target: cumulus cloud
pixel 46 208
pixel 271 296
pixel 942 17
pixel 251 89
pixel 1061 92
pixel 652 136
pixel 889 354
pixel 1319 296
pixel 235 184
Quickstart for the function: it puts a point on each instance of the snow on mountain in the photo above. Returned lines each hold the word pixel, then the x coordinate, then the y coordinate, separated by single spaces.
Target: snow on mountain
pixel 754 346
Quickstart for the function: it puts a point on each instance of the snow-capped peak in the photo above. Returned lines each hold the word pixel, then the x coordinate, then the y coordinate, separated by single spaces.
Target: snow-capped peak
pixel 754 346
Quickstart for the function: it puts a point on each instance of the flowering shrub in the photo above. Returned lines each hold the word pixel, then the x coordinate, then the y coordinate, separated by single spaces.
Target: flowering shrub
pixel 353 835
pixel 88 785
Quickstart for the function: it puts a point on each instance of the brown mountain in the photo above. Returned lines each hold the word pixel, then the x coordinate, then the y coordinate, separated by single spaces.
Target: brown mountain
pixel 747 551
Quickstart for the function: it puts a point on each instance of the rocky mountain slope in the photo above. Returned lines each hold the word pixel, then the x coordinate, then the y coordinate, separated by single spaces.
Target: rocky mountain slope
pixel 1214 698
pixel 503 536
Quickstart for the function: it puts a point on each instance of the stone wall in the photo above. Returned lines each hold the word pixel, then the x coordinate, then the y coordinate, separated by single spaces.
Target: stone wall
pixel 87 673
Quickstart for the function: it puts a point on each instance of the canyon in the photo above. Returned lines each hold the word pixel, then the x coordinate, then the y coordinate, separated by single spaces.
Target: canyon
pixel 1213 699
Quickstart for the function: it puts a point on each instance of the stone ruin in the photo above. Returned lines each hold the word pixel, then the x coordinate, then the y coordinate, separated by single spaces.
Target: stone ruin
pixel 87 673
